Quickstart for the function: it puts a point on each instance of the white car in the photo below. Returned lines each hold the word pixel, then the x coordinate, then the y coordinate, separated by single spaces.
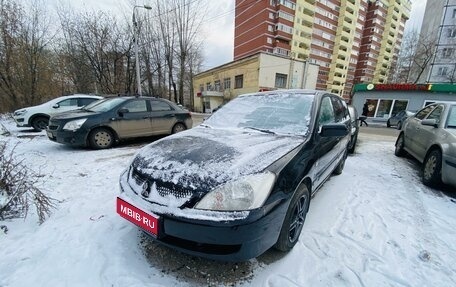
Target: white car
pixel 37 117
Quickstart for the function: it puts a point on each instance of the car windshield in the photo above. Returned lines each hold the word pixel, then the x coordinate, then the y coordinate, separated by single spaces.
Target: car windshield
pixel 92 104
pixel 104 105
pixel 282 113
pixel 451 123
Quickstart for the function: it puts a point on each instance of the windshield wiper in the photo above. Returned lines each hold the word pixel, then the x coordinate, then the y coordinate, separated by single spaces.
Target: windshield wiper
pixel 261 130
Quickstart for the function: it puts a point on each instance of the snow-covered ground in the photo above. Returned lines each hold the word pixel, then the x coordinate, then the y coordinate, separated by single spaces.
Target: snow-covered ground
pixel 374 225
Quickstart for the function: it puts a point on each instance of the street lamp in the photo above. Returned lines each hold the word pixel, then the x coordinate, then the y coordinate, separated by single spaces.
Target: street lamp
pixel 135 35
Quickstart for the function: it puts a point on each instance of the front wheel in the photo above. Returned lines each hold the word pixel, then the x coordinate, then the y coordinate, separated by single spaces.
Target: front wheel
pixel 40 123
pixel 101 138
pixel 432 168
pixel 399 150
pixel 399 125
pixel 388 124
pixel 294 220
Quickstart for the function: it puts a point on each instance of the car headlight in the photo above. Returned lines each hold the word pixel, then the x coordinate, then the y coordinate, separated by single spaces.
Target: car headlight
pixel 74 125
pixel 20 112
pixel 247 193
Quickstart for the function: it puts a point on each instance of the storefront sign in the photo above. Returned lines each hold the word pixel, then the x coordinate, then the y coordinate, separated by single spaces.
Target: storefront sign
pixel 399 87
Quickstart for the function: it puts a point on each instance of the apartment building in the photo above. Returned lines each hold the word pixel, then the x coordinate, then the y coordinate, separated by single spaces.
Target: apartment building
pixel 439 28
pixel 352 41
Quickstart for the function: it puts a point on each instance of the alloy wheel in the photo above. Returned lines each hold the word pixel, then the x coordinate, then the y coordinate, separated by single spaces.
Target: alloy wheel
pixel 298 218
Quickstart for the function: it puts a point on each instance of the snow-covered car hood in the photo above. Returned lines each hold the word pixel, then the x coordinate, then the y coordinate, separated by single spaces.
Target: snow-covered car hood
pixel 203 158
pixel 73 114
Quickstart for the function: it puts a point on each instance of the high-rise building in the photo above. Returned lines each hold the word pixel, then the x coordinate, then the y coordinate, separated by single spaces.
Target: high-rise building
pixel 439 29
pixel 352 41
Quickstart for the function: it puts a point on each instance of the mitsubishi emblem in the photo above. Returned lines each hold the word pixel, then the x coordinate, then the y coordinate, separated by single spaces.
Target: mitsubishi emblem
pixel 145 189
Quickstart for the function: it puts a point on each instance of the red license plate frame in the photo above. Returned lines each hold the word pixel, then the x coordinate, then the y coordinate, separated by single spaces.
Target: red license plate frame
pixel 138 216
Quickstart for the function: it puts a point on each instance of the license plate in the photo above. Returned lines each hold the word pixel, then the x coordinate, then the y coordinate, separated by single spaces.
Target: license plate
pixel 50 135
pixel 137 216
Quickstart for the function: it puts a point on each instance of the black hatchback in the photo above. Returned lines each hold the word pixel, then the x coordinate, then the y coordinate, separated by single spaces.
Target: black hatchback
pixel 240 182
pixel 101 124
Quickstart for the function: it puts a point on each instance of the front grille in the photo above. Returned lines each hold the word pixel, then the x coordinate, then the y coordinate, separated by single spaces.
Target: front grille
pixel 53 127
pixel 164 188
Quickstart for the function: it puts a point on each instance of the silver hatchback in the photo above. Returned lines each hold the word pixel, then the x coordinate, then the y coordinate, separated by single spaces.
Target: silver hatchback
pixel 430 137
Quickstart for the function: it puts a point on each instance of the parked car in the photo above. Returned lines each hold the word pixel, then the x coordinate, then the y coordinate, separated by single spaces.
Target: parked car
pixel 398 119
pixel 102 124
pixel 37 117
pixel 354 128
pixel 240 182
pixel 430 137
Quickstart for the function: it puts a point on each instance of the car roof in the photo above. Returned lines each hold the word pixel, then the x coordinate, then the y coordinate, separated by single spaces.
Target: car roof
pixel 289 91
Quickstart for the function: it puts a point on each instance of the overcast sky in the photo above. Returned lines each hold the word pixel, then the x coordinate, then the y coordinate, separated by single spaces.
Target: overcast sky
pixel 218 31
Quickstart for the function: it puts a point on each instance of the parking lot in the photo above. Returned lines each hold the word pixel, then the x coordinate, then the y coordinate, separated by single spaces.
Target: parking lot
pixel 374 225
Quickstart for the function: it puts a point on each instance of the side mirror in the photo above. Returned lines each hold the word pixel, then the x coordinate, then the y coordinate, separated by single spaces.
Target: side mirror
pixel 122 111
pixel 56 106
pixel 334 130
pixel 430 122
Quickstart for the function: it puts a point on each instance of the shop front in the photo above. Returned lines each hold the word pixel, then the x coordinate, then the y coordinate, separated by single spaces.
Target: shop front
pixel 378 102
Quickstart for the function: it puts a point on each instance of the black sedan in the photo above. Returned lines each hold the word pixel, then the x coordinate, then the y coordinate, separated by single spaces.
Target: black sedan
pixel 105 122
pixel 241 182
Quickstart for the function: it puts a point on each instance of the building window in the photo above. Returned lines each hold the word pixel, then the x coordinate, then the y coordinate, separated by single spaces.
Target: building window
pixel 442 71
pixel 271 15
pixel 238 81
pixel 270 28
pixel 280 80
pixel 454 13
pixel 227 83
pixel 269 40
pixel 447 52
pixel 451 32
pixel 201 87
pixel 217 86
pixel 208 87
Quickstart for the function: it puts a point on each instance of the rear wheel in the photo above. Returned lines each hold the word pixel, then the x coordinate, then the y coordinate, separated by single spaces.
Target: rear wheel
pixel 340 166
pixel 388 124
pixel 399 125
pixel 178 128
pixel 399 151
pixel 294 220
pixel 432 168
pixel 101 138
pixel 40 123
pixel 352 148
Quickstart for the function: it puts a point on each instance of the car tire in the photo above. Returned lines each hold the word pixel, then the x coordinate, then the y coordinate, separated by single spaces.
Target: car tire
pixel 399 150
pixel 179 127
pixel 352 149
pixel 294 220
pixel 388 124
pixel 40 123
pixel 399 125
pixel 101 138
pixel 432 168
pixel 340 167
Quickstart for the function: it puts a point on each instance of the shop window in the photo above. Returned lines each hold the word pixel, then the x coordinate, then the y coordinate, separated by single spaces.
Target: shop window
pixel 399 105
pixel 280 80
pixel 383 109
pixel 238 81
pixel 369 107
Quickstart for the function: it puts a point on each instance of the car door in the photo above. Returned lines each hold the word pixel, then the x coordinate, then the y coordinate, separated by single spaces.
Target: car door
pixel 411 128
pixel 425 135
pixel 133 119
pixel 162 117
pixel 324 146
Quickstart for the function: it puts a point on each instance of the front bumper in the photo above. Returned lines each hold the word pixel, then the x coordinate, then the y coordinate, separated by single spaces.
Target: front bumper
pixel 239 239
pixel 21 122
pixel 74 138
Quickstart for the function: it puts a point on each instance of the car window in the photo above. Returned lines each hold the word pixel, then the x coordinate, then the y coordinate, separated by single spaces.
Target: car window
pixel 436 114
pixel 423 113
pixel 85 101
pixel 451 122
pixel 340 111
pixel 136 106
pixel 158 106
pixel 401 114
pixel 326 112
pixel 68 102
